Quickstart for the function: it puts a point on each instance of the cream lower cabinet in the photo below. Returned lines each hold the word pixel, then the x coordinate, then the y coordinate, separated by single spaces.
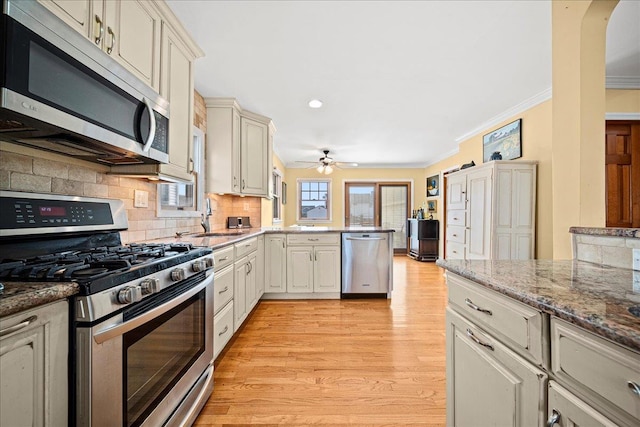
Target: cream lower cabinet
pixel 222 302
pixel 33 367
pixel 567 410
pixel 313 263
pixel 490 211
pixel 244 282
pixel 487 383
pixel 275 263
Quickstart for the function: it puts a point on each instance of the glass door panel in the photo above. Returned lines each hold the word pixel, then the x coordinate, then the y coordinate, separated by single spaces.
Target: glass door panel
pixel 360 206
pixel 393 213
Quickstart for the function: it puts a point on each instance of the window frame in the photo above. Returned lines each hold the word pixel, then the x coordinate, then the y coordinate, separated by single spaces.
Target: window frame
pixel 196 209
pixel 329 202
pixel 276 199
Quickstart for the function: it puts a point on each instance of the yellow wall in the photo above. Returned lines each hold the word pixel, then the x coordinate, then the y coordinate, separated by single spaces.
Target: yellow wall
pixel 623 100
pixel 536 145
pixel 339 176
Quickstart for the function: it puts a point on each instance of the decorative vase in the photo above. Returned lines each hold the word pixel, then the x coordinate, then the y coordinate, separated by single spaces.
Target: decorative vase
pixel 496 156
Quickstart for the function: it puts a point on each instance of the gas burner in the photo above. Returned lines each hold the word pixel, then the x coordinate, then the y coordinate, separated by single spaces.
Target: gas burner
pixel 88 272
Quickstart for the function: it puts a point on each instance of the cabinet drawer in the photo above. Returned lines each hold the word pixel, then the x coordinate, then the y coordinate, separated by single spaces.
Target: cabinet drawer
pixel 223 257
pixel 456 217
pixel 222 287
pixel 222 328
pixel 455 250
pixel 596 366
pixel 455 234
pixel 313 239
pixel 245 247
pixel 520 326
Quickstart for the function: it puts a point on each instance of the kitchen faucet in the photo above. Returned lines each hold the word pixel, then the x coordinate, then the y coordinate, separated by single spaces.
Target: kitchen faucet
pixel 205 216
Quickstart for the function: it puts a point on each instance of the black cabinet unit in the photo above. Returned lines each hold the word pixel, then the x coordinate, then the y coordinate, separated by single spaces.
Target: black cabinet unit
pixel 423 235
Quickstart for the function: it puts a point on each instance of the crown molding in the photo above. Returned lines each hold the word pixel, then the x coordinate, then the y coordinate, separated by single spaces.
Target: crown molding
pixel 622 116
pixel 443 156
pixel 619 82
pixel 507 114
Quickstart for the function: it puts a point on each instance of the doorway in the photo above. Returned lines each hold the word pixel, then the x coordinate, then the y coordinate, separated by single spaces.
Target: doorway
pixel 622 145
pixel 384 204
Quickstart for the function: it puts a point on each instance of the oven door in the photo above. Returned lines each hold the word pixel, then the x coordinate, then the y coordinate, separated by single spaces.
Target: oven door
pixel 149 361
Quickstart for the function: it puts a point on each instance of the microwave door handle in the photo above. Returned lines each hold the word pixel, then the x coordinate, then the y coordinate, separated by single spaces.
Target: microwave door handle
pixel 152 126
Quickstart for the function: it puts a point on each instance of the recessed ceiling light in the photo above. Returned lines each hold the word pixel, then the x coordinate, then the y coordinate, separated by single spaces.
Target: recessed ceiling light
pixel 315 103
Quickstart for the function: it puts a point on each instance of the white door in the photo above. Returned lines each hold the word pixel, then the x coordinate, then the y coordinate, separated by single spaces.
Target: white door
pixel 479 214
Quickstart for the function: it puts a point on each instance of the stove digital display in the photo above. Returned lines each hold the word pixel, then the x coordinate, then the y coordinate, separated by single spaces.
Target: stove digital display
pixel 52 211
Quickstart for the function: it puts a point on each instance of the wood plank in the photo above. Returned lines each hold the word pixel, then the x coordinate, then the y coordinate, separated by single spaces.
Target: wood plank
pixel 339 362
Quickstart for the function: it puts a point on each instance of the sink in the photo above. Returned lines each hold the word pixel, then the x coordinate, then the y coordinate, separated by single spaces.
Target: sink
pixel 220 234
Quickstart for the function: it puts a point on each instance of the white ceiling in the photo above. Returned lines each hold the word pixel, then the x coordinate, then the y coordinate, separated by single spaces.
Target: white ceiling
pixel 402 81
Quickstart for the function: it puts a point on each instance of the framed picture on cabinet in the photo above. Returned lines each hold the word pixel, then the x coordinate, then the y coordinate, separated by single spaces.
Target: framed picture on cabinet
pixel 433 185
pixel 504 143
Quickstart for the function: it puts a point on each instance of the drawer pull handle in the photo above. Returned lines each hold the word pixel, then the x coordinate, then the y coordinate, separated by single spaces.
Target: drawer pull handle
pixel 313 240
pixel 224 331
pixel 226 288
pixel 224 259
pixel 26 322
pixel 455 235
pixel 455 218
pixel 477 341
pixel 553 418
pixel 634 387
pixel 476 308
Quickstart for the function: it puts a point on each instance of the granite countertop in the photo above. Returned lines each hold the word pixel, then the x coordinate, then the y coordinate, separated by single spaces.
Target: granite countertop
pixel 21 296
pixel 598 298
pixel 606 231
pixel 236 235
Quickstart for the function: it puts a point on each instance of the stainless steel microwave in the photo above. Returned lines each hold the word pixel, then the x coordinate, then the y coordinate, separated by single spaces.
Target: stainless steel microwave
pixel 60 93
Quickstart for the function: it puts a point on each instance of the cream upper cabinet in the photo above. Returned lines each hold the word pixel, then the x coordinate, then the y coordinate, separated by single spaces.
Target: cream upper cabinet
pixel 177 88
pixel 75 13
pixel 491 211
pixel 33 367
pixel 128 31
pixel 239 149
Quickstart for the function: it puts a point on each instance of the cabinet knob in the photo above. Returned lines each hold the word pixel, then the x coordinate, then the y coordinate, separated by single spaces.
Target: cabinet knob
pixel 553 418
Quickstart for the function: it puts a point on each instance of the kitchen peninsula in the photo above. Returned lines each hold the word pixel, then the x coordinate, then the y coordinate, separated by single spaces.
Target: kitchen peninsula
pixel 562 336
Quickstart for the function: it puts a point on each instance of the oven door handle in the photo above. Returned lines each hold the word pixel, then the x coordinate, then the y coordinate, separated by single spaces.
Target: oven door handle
pixel 117 330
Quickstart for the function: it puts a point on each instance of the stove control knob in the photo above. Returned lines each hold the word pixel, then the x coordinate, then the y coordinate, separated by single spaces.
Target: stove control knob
pixel 199 265
pixel 129 294
pixel 209 261
pixel 178 274
pixel 150 286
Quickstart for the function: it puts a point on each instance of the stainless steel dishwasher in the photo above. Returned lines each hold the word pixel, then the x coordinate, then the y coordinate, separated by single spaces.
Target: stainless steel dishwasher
pixel 367 264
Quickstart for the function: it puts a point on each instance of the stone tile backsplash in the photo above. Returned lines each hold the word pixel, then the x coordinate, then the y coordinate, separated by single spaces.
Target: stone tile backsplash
pixel 614 251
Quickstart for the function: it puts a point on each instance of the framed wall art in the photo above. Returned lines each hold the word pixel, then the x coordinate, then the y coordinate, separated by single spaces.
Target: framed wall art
pixel 504 143
pixel 433 185
pixel 432 205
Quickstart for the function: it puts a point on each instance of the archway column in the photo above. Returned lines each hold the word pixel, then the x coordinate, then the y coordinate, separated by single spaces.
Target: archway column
pixel 578 117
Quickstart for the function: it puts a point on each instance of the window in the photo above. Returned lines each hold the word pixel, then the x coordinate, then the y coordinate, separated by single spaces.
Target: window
pixel 314 200
pixel 185 200
pixel 277 195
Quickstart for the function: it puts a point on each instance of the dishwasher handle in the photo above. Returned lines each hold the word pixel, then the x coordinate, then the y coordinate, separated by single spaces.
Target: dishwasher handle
pixel 365 238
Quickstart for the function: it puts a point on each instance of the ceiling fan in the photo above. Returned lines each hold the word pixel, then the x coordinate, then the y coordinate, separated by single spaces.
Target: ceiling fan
pixel 325 164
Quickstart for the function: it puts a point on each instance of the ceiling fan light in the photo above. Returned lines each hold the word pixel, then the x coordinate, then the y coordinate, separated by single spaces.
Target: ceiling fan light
pixel 328 169
pixel 320 169
pixel 315 103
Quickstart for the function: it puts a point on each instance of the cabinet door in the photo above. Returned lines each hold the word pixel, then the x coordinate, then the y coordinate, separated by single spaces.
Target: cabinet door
pixel 260 268
pixel 177 87
pixel 75 13
pixel 239 293
pixel 250 283
pixel 479 214
pixel 253 156
pixel 488 384
pixel 33 368
pixel 236 167
pixel 275 264
pixel 300 269
pixel 326 269
pixel 567 410
pixel 132 37
pixel 456 191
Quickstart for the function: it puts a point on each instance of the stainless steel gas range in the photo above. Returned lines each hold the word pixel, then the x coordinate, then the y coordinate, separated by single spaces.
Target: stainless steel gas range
pixel 141 349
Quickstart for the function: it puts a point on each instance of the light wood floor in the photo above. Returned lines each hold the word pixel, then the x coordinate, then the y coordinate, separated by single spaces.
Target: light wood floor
pixel 339 362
